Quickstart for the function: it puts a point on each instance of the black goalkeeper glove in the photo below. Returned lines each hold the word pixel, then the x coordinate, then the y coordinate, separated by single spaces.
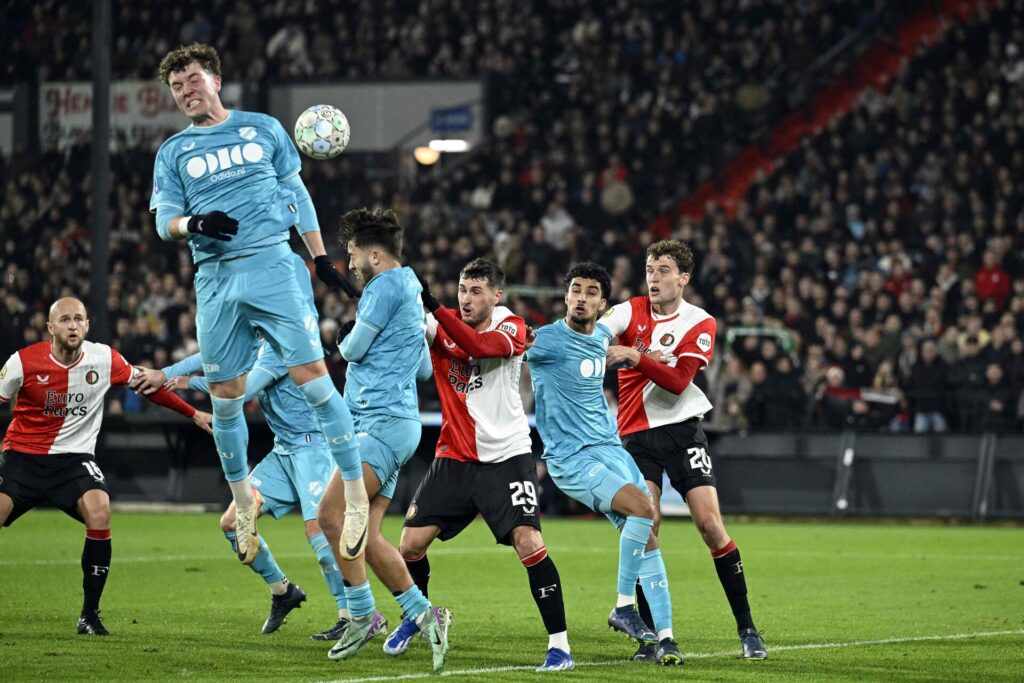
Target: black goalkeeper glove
pixel 215 224
pixel 344 330
pixel 330 276
pixel 429 300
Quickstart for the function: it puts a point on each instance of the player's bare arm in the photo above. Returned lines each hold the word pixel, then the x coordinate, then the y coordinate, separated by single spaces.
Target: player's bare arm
pixel 177 384
pixel 147 380
pixel 204 421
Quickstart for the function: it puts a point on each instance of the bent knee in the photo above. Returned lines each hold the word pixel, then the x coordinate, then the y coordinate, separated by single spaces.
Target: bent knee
pixel 411 553
pixel 645 509
pixel 526 540
pixel 330 524
pixel 411 548
pixel 98 519
pixel 713 532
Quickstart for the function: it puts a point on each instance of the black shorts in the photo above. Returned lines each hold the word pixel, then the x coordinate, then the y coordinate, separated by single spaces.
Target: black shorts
pixel 680 449
pixel 60 479
pixel 453 492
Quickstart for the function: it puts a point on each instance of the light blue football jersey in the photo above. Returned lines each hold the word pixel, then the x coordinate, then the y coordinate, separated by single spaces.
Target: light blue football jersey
pixel 567 370
pixel 235 166
pixel 284 408
pixel 384 380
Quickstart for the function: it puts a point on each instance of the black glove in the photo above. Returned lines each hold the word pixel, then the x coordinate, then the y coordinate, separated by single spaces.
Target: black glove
pixel 215 224
pixel 344 330
pixel 429 300
pixel 330 276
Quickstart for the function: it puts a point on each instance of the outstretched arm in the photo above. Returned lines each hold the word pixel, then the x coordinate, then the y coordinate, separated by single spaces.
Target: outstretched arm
pixel 654 367
pixel 167 399
pixel 186 366
pixel 490 344
pixel 146 380
pixel 258 380
pixel 674 380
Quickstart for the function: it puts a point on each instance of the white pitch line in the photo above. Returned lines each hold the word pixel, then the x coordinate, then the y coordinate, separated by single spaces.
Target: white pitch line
pixel 501 550
pixel 689 655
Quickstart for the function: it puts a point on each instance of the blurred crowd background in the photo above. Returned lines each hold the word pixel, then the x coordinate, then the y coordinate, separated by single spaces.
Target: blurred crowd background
pixel 874 281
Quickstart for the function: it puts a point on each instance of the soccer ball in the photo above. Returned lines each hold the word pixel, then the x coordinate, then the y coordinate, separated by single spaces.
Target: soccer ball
pixel 322 132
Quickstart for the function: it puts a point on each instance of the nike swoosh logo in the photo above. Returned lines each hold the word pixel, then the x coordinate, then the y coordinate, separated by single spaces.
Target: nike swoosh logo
pixel 255 537
pixel 352 552
pixel 189 147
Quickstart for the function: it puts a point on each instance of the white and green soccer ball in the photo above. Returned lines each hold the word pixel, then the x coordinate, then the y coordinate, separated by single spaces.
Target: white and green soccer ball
pixel 322 132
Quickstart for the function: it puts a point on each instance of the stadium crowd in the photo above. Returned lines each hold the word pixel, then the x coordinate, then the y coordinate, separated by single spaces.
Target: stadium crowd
pixel 874 277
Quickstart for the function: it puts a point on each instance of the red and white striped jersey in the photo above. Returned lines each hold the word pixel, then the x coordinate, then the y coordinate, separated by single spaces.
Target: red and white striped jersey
pixel 483 419
pixel 58 408
pixel 690 331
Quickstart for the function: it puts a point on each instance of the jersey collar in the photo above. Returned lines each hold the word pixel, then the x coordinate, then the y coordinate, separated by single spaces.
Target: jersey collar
pixel 658 318
pixel 67 367
pixel 193 128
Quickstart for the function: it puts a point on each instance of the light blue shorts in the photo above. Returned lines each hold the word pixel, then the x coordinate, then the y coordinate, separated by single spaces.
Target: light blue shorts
pixel 237 297
pixel 293 475
pixel 594 475
pixel 385 444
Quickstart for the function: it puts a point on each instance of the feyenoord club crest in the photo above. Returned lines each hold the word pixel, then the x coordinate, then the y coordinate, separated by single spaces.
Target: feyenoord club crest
pixel 666 339
pixel 92 377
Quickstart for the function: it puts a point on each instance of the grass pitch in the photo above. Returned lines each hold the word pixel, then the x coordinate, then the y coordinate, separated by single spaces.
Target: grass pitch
pixel 846 602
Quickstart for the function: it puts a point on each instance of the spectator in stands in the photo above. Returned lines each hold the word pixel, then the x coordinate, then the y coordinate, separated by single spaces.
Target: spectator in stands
pixel 967 378
pixel 835 400
pixel 757 404
pixel 894 226
pixel 997 402
pixel 731 383
pixel 992 282
pixel 927 390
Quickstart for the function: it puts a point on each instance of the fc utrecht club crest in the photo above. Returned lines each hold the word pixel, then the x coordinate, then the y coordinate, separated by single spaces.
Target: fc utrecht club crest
pixel 92 377
pixel 247 132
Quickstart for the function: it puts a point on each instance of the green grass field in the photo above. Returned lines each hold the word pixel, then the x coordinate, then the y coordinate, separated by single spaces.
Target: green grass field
pixel 836 601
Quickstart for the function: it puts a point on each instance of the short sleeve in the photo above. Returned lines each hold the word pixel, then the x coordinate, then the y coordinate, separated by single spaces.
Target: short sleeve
pixel 514 328
pixel 699 342
pixel 120 369
pixel 167 188
pixel 12 375
pixel 617 319
pixel 286 157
